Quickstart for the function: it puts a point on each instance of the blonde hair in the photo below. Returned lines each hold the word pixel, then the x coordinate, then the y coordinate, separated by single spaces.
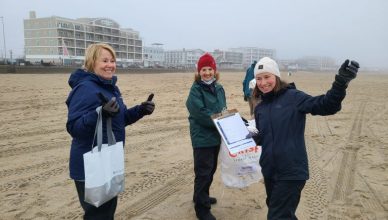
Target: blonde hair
pixel 197 77
pixel 93 52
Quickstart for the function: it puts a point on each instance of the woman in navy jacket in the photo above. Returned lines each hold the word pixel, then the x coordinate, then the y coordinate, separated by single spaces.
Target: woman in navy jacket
pixel 90 87
pixel 280 117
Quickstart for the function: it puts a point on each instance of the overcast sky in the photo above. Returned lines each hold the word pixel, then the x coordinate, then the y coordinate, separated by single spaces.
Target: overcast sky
pixel 355 29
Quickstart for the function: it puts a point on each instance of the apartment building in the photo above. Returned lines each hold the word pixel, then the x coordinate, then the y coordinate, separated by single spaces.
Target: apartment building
pixel 153 55
pixel 251 54
pixel 228 59
pixel 63 41
pixel 316 63
pixel 185 59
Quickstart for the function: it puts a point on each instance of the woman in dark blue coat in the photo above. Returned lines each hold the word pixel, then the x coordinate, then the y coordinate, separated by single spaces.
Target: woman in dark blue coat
pixel 280 117
pixel 90 87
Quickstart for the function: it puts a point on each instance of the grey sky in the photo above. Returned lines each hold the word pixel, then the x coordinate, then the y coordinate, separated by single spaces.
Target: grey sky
pixel 355 29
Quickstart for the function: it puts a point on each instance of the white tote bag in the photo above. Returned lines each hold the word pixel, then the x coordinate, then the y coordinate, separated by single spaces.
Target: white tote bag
pixel 241 169
pixel 104 167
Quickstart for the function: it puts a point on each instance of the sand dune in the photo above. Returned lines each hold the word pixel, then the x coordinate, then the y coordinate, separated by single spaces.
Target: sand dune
pixel 348 152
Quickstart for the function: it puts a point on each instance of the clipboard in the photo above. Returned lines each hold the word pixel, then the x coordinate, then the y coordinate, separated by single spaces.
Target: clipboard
pixel 233 131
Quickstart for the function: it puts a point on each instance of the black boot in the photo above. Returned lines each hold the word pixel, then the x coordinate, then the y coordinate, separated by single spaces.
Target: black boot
pixel 203 212
pixel 212 200
pixel 207 216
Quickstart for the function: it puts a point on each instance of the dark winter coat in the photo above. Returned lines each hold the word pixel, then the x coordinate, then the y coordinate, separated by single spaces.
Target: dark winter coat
pixel 281 120
pixel 202 102
pixel 82 116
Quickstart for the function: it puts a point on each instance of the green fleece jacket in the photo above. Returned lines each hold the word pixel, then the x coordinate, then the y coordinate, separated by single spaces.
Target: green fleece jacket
pixel 201 103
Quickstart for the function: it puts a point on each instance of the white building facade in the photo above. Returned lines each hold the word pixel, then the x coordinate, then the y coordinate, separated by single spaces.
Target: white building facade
pixel 153 56
pixel 184 59
pixel 251 54
pixel 320 63
pixel 228 59
pixel 63 41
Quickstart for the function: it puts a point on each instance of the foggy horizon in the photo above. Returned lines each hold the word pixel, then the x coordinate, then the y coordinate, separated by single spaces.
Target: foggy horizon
pixel 343 29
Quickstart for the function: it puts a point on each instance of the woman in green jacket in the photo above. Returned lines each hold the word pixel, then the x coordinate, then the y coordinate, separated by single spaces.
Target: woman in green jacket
pixel 206 98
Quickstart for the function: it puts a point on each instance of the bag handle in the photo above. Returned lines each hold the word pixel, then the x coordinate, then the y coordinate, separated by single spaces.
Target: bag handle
pixel 98 130
pixel 111 136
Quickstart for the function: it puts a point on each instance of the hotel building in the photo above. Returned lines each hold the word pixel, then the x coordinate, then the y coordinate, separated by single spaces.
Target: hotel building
pixel 251 54
pixel 183 59
pixel 153 55
pixel 63 41
pixel 228 59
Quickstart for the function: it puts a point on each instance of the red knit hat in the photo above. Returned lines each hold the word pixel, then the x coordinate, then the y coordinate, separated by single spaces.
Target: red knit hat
pixel 206 60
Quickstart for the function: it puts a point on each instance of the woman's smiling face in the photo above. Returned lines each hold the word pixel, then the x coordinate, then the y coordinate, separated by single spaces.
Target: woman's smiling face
pixel 265 82
pixel 105 65
pixel 206 73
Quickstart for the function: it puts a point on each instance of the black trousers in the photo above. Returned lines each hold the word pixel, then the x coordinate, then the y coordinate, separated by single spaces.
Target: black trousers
pixel 205 165
pixel 283 197
pixel 104 212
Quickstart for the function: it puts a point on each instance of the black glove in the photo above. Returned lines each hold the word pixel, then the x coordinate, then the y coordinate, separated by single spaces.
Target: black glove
pixel 257 139
pixel 109 108
pixel 346 73
pixel 245 98
pixel 147 107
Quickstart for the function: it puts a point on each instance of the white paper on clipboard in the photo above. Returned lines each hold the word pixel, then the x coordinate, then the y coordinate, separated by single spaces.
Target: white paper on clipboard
pixel 233 131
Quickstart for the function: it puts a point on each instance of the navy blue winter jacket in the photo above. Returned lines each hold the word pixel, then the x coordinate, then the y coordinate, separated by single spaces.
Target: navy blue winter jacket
pixel 281 120
pixel 82 116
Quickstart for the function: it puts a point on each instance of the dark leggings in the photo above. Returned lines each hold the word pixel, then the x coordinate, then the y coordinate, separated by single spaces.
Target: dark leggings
pixel 205 165
pixel 283 198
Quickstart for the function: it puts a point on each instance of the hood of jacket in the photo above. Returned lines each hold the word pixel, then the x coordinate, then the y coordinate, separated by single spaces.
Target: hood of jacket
pixel 81 75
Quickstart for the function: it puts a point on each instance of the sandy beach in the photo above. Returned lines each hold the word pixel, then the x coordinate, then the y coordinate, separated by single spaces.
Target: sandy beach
pixel 348 152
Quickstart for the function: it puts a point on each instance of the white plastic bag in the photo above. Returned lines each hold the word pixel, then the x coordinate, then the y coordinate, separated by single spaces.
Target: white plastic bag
pixel 252 84
pixel 241 169
pixel 104 167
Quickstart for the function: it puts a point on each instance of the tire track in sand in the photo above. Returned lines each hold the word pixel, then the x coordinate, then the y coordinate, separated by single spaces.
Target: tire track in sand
pixel 157 195
pixel 31 168
pixel 347 167
pixel 343 195
pixel 37 131
pixel 25 149
pixel 180 175
pixel 315 191
pixel 149 180
pixel 25 182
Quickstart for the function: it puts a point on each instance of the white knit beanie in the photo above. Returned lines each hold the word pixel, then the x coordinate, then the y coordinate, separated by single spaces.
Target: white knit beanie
pixel 267 65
